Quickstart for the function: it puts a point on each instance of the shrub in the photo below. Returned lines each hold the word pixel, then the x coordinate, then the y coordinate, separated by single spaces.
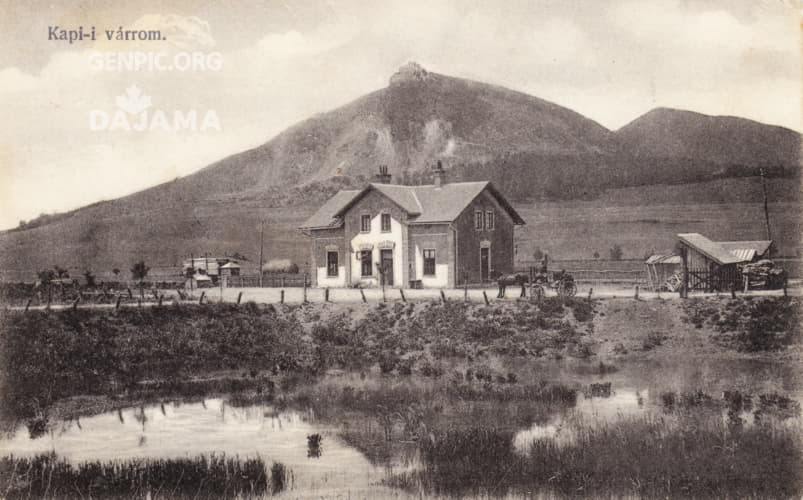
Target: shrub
pixel 280 266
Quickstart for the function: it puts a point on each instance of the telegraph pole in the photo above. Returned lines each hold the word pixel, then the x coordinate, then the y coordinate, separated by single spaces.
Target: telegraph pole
pixel 766 209
pixel 261 248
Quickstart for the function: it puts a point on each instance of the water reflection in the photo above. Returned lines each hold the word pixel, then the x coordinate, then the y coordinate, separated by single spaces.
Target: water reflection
pixel 212 426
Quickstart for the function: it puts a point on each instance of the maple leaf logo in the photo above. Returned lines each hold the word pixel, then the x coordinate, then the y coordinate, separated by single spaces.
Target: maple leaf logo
pixel 133 101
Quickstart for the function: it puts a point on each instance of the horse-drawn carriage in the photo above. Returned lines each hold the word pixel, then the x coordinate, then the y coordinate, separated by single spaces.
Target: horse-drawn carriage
pixel 560 281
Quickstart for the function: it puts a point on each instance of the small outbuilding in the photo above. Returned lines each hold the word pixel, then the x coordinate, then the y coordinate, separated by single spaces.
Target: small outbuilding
pixel 229 269
pixel 709 265
pixel 664 271
pixel 200 280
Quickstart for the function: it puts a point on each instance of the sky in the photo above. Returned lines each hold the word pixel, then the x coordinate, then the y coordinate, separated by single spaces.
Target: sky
pixel 72 132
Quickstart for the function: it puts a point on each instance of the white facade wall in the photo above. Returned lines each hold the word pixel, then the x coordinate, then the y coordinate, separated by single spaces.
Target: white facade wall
pixel 376 238
pixel 441 278
pixel 338 281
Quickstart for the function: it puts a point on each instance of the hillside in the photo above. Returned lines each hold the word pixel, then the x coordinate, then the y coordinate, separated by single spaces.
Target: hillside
pixel 724 140
pixel 532 149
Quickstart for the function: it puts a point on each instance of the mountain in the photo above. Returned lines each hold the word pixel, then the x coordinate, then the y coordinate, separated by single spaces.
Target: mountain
pixel 418 118
pixel 531 148
pixel 724 140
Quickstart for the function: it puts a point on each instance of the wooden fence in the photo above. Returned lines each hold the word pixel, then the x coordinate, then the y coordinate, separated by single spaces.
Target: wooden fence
pixel 722 280
pixel 268 281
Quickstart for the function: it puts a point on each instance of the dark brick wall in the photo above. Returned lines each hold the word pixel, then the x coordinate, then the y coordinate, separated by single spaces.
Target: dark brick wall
pixel 469 238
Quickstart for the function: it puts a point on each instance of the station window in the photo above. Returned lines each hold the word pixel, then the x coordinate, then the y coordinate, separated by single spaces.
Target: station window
pixel 489 219
pixel 365 223
pixel 332 267
pixel 385 223
pixel 367 266
pixel 478 220
pixel 429 262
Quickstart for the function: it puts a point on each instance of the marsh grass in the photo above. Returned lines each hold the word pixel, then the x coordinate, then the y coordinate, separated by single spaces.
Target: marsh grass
pixel 47 476
pixel 749 324
pixel 698 456
pixel 167 351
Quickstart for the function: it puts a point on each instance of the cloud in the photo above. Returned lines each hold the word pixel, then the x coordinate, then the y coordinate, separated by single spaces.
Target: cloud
pixel 293 43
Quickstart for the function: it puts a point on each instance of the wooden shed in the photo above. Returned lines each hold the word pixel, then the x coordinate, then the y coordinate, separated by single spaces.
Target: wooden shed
pixel 707 265
pixel 663 272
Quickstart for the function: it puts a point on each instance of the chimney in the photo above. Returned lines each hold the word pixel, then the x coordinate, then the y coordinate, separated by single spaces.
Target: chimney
pixel 440 175
pixel 383 177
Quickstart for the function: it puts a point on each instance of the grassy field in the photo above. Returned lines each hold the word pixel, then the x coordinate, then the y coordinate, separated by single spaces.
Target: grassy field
pixel 640 220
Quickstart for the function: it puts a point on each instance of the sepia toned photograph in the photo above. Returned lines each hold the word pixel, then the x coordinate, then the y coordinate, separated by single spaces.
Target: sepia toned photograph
pixel 446 249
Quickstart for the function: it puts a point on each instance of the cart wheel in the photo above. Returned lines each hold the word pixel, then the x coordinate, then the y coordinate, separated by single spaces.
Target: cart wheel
pixel 538 292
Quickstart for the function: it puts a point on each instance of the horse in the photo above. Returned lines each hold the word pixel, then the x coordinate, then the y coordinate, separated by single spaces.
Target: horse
pixel 512 279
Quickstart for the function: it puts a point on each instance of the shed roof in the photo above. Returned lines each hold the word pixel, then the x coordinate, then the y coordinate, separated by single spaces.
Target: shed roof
pixel 710 249
pixel 670 259
pixel 759 247
pixel 324 217
pixel 230 265
pixel 424 204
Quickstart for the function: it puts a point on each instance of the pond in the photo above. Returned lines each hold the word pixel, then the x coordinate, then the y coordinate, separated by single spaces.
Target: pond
pixel 214 426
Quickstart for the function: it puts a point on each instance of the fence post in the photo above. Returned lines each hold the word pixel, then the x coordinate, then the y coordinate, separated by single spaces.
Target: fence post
pixel 305 288
pixel 75 303
pixel 282 280
pixel 485 296
pixel 362 292
pixel 281 297
pixel 117 304
pixel 635 295
pixel 160 300
pixel 733 290
pixel 746 284
pixel 130 295
pixel 401 292
pixel 239 297
pixel 465 292
pixel 201 300
pixel 785 293
pixel 443 296
pixel 139 302
pixel 326 294
pixel 28 304
pixel 590 291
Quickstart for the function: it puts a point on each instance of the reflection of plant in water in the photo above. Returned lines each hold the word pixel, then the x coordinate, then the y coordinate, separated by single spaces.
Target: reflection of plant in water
pixel 278 477
pixel 601 390
pixel 141 417
pixel 37 427
pixel 314 448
